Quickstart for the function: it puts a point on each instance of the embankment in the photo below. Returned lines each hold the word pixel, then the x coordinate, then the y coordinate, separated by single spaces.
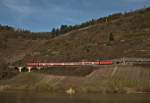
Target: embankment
pixel 105 79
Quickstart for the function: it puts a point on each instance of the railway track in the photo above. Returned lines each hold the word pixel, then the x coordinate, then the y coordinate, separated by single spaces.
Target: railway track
pixel 118 61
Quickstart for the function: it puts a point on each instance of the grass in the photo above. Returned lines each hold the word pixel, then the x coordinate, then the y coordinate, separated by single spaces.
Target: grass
pixel 91 83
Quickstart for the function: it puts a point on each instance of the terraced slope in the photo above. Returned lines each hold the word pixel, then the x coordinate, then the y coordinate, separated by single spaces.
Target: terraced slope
pixel 131 38
pixel 106 79
pixel 14 46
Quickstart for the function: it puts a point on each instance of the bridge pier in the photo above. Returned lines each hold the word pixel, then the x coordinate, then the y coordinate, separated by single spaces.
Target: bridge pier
pixel 29 69
pixel 20 69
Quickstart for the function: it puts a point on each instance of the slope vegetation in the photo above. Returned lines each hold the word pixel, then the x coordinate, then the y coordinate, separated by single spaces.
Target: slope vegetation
pixel 106 79
pixel 15 45
pixel 125 36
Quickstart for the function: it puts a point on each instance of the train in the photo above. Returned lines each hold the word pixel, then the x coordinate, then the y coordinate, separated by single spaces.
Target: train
pixel 83 63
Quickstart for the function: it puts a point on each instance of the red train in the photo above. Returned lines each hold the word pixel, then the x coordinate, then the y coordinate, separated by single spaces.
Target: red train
pixel 104 63
pixel 39 64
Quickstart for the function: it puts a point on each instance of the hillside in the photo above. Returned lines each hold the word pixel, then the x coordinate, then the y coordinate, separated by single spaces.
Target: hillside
pixel 131 37
pixel 121 35
pixel 15 45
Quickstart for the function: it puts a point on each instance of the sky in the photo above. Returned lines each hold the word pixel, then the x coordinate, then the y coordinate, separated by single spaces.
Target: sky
pixel 43 15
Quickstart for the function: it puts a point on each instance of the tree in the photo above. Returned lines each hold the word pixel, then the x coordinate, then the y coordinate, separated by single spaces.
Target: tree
pixel 53 31
pixel 63 28
pixel 57 31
